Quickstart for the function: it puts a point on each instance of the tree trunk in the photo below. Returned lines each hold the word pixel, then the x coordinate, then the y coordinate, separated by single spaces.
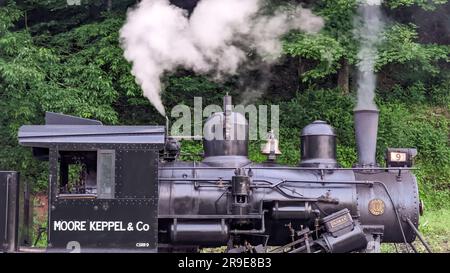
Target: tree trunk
pixel 343 76
pixel 300 71
pixel 26 20
pixel 109 5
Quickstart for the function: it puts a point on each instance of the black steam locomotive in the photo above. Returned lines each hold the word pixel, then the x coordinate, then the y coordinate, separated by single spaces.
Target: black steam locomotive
pixel 123 189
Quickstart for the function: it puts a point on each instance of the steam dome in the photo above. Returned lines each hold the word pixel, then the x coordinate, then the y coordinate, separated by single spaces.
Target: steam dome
pixel 318 145
pixel 225 140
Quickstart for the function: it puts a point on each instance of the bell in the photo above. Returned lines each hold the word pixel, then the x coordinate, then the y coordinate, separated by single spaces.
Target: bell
pixel 271 146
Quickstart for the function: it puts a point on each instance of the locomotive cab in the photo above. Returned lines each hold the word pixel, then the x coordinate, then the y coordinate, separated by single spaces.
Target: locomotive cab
pixel 103 186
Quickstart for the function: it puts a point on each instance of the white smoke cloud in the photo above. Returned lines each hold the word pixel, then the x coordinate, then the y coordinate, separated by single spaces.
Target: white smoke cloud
pixel 368 32
pixel 159 37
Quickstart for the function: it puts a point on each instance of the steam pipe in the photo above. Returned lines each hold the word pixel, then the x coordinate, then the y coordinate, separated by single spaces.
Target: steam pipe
pixel 167 126
pixel 227 104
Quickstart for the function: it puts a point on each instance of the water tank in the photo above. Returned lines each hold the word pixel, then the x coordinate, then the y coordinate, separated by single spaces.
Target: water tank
pixel 318 145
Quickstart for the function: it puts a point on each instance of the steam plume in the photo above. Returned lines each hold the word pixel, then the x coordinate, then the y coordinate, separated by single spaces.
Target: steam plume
pixel 159 37
pixel 369 32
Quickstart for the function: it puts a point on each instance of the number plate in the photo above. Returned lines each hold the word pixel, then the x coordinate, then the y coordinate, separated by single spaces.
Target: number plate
pixel 398 157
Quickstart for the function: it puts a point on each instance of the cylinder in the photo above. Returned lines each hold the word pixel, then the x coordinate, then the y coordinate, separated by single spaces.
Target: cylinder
pixel 240 185
pixel 366 129
pixel 205 233
pixel 292 211
pixel 318 145
pixel 240 189
pixel 232 151
pixel 214 141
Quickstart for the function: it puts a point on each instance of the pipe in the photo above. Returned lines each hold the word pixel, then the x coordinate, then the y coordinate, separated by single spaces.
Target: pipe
pixel 427 247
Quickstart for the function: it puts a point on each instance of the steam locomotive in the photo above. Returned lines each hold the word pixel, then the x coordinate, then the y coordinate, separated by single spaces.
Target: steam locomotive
pixel 124 189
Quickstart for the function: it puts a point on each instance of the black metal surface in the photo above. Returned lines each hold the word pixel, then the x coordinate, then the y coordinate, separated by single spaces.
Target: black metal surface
pixel 137 174
pixel 293 210
pixel 318 145
pixel 13 211
pixel 405 199
pixel 318 128
pixel 338 223
pixel 206 233
pixel 3 211
pixel 318 151
pixel 226 135
pixel 44 136
pixel 350 241
pixel 135 204
pixel 184 197
pixel 240 185
pixel 126 212
pixel 61 119
pixel 9 211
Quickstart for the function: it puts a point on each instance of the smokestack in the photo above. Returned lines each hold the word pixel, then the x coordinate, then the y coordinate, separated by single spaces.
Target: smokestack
pixel 366 129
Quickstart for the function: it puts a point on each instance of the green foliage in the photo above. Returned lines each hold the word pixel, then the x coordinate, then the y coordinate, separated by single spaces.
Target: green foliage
pixel 401 47
pixel 335 42
pixel 191 150
pixel 346 156
pixel 413 94
pixel 339 17
pixel 323 49
pixel 181 88
pixel 289 144
pixel 438 94
pixel 8 16
pixel 34 79
pixel 327 105
pixel 425 4
pixel 434 225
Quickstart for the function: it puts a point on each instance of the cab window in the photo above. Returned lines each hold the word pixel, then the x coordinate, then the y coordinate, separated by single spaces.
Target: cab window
pixel 86 174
